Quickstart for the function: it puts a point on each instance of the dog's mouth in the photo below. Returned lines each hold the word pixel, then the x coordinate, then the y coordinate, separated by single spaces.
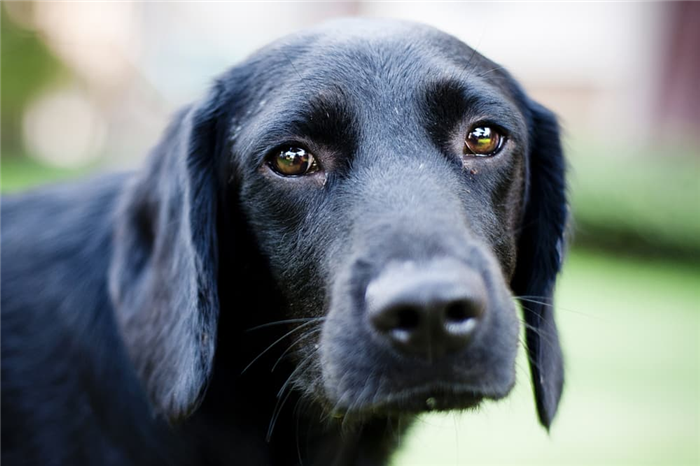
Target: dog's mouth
pixel 429 398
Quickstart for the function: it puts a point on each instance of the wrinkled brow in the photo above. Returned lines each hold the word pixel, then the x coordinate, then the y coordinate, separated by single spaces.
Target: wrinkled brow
pixel 448 102
pixel 325 117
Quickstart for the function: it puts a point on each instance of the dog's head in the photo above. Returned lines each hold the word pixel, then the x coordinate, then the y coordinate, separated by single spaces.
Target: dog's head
pixel 401 189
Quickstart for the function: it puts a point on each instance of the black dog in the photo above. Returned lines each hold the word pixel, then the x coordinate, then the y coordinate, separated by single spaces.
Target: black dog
pixel 326 245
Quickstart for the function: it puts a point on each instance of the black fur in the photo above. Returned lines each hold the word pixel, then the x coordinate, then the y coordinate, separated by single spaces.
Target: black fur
pixel 206 310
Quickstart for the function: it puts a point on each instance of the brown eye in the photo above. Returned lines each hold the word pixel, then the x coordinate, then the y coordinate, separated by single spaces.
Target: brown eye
pixel 483 141
pixel 293 161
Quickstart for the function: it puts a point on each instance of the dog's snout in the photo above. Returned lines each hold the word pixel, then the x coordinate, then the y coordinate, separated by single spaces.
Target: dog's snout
pixel 427 310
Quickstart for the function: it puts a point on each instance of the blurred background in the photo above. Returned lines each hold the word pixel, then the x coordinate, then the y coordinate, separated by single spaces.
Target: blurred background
pixel 88 87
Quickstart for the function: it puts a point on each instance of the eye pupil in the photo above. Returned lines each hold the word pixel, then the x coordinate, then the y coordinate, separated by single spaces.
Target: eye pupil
pixel 293 161
pixel 482 141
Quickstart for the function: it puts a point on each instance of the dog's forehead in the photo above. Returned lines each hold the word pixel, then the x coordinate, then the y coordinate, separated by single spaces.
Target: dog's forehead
pixel 342 76
pixel 368 34
pixel 375 51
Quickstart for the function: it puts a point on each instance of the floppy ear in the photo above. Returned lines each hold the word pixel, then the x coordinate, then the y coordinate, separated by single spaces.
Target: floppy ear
pixel 540 249
pixel 163 274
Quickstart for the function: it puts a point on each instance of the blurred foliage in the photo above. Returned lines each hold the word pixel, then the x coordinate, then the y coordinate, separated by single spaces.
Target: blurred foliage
pixel 27 68
pixel 642 201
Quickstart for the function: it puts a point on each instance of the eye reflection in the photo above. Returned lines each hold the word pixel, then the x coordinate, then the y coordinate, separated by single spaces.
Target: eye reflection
pixel 483 141
pixel 293 161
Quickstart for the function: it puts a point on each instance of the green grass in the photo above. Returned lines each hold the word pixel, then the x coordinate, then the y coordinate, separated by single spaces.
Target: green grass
pixel 630 330
pixel 17 173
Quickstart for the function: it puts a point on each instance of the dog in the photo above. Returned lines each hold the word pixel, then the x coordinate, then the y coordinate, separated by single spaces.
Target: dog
pixel 332 241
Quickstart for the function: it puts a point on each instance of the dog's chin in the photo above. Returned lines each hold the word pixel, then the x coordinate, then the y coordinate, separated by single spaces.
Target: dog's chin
pixel 423 400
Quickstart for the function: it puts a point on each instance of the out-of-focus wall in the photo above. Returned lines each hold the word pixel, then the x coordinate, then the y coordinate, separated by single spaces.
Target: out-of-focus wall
pixel 598 65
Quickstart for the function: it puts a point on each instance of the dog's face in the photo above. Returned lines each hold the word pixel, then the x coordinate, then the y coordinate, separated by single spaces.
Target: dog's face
pixel 402 189
pixel 385 185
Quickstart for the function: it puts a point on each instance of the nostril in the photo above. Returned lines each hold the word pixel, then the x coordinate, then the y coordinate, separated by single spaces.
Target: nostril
pixel 461 316
pixel 400 317
pixel 407 318
pixel 407 321
pixel 463 309
pixel 456 313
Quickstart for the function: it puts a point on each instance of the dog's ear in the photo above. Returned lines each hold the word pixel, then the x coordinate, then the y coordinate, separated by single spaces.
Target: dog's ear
pixel 540 250
pixel 163 274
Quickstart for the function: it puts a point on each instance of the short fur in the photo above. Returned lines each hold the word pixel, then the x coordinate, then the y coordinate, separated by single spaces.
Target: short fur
pixel 206 310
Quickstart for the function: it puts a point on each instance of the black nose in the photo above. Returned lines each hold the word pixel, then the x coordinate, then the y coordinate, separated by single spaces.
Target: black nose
pixel 427 310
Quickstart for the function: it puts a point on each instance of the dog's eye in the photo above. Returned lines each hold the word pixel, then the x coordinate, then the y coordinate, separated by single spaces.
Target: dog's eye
pixel 293 161
pixel 482 141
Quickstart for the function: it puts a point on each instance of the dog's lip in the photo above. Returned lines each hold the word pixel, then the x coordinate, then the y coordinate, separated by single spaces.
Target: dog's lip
pixel 426 398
